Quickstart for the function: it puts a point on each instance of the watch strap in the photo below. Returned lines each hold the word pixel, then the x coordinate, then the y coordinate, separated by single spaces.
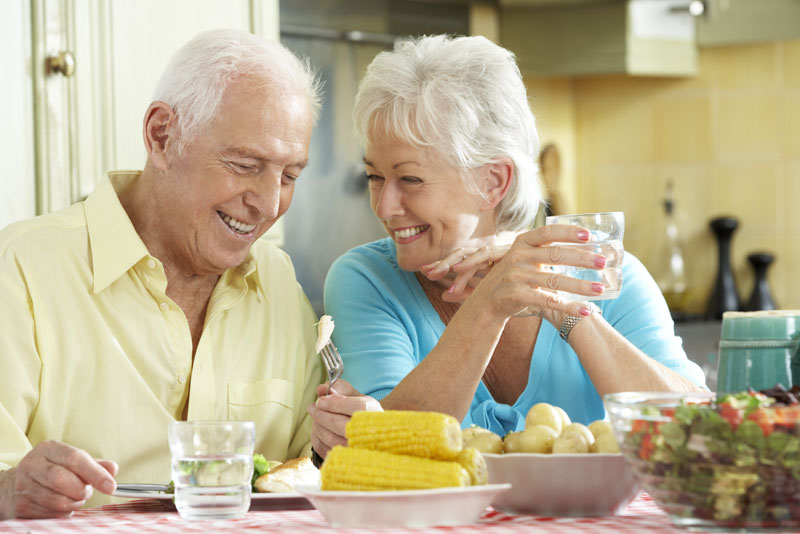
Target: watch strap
pixel 571 320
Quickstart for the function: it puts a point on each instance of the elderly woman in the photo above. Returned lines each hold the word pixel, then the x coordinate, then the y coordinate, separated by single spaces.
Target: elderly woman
pixel 457 311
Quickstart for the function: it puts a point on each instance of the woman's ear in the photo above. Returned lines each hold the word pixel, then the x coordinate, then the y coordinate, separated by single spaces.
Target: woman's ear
pixel 158 122
pixel 497 180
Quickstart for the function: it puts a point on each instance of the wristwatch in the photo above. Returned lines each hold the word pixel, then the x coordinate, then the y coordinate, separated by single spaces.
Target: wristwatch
pixel 571 320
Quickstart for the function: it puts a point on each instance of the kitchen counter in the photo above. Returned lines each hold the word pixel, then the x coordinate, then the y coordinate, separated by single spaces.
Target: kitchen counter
pixel 701 343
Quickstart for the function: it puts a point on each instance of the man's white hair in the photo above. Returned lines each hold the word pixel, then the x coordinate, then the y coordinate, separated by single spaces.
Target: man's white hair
pixel 464 99
pixel 196 77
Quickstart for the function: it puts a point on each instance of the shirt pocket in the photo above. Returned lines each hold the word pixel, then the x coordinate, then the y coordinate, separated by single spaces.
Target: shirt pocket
pixel 270 404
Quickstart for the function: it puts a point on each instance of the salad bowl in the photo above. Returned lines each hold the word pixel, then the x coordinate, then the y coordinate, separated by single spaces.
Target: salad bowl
pixel 714 462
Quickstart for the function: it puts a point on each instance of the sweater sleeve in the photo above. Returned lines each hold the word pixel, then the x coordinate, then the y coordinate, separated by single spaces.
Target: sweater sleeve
pixel 375 332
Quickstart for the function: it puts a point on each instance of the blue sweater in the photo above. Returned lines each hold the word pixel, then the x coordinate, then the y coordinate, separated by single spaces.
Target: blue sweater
pixel 385 326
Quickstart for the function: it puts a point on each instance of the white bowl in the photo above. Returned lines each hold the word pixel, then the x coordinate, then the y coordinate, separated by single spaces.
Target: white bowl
pixel 581 485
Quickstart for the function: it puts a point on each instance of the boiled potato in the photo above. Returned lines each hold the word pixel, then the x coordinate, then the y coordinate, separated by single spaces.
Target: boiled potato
pixel 605 443
pixel 580 429
pixel 482 439
pixel 601 427
pixel 570 443
pixel 544 414
pixel 512 443
pixel 537 438
pixel 565 420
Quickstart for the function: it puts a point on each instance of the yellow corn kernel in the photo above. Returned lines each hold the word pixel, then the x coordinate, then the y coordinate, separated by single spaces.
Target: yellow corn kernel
pixel 472 460
pixel 348 468
pixel 425 434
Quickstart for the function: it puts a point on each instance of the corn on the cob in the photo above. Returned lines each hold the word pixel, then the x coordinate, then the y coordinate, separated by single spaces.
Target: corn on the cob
pixel 424 434
pixel 348 468
pixel 472 460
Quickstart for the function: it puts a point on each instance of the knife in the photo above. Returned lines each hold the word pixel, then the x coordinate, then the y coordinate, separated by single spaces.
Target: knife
pixel 143 487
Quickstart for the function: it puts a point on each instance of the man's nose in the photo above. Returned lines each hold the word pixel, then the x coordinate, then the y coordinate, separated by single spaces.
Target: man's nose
pixel 265 195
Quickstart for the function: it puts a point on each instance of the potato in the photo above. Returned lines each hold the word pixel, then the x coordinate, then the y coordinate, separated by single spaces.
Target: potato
pixel 601 427
pixel 570 443
pixel 512 443
pixel 605 443
pixel 482 439
pixel 544 414
pixel 537 438
pixel 580 429
pixel 565 420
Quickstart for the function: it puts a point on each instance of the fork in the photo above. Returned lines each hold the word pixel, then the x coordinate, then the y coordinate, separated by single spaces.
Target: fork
pixel 333 363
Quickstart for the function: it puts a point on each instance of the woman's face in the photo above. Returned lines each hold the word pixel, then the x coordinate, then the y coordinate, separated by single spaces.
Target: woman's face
pixel 423 203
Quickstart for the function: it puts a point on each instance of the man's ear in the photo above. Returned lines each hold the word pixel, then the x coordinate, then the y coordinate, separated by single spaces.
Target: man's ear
pixel 159 122
pixel 497 179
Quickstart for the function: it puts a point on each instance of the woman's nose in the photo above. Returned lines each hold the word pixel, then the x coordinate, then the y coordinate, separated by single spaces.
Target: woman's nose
pixel 388 201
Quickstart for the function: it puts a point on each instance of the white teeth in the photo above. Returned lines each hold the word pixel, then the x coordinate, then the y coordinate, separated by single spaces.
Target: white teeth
pixel 410 232
pixel 236 224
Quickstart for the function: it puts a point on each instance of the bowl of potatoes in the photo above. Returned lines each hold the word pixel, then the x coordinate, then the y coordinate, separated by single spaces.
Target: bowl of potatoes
pixel 556 467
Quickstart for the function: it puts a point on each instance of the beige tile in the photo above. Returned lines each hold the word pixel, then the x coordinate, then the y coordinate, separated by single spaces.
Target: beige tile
pixel 748 191
pixel 620 130
pixel 791 197
pixel 682 129
pixel 788 296
pixel 791 123
pixel 750 66
pixel 747 125
pixel 791 64
pixel 617 86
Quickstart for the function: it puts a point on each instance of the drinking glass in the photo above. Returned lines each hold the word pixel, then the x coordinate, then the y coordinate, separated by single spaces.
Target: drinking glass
pixel 212 467
pixel 606 231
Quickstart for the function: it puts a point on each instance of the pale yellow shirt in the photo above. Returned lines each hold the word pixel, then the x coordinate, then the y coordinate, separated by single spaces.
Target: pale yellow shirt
pixel 96 355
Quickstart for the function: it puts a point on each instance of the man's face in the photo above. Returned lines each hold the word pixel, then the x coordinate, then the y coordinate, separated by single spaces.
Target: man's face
pixel 235 177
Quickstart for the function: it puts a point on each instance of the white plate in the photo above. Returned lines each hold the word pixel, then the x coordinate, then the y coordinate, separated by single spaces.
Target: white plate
pixel 288 500
pixel 408 509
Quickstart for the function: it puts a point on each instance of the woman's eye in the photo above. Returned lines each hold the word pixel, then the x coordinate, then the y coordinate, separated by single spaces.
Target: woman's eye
pixel 411 180
pixel 373 177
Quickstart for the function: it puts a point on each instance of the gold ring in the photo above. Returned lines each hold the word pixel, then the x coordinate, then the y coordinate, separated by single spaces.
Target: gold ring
pixel 491 263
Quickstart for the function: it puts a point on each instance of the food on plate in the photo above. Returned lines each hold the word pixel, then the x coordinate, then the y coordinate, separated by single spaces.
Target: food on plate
pixel 354 469
pixel 472 460
pixel 482 439
pixel 733 460
pixel 285 476
pixel 537 439
pixel 261 466
pixel 324 331
pixel 511 443
pixel 601 427
pixel 426 434
pixel 570 443
pixel 583 430
pixel 605 443
pixel 544 414
pixel 402 450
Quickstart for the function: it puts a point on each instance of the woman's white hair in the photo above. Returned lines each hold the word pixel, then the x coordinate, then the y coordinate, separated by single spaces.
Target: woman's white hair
pixel 464 99
pixel 196 77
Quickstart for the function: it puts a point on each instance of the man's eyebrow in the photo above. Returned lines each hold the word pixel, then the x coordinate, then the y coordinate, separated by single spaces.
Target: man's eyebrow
pixel 245 152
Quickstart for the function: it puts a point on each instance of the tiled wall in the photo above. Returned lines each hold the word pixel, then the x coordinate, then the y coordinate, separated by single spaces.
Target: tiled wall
pixel 728 138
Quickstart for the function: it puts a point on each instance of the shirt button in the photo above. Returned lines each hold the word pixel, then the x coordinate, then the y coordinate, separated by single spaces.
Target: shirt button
pixel 151 263
pixel 182 378
pixel 164 306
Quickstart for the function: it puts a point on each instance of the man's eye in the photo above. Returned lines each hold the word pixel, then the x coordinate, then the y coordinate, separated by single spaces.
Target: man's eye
pixel 241 167
pixel 289 179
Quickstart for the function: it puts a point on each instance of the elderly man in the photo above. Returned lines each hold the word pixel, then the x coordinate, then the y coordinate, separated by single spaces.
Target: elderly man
pixel 153 300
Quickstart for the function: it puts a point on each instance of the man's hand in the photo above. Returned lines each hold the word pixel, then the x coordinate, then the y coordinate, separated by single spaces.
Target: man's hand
pixel 332 411
pixel 53 480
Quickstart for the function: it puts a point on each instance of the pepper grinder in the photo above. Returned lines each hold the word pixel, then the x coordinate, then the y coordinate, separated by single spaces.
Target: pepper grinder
pixel 761 298
pixel 724 296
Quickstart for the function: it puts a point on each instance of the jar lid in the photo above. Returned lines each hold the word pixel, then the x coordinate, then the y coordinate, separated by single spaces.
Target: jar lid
pixel 772 324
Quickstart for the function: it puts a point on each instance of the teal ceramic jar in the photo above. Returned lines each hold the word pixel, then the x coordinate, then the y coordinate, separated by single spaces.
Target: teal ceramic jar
pixel 758 350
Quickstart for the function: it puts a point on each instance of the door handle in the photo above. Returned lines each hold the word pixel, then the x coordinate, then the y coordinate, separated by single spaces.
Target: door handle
pixel 63 63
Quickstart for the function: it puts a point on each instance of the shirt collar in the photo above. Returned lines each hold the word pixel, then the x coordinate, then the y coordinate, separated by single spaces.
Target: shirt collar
pixel 115 244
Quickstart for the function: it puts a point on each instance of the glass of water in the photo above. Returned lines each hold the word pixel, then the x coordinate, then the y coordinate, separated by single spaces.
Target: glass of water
pixel 212 467
pixel 606 231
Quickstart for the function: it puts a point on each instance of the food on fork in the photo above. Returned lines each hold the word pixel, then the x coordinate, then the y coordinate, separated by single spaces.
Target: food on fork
pixel 426 434
pixel 324 331
pixel 286 476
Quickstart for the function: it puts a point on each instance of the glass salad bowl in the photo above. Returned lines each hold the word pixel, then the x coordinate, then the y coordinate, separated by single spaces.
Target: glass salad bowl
pixel 723 463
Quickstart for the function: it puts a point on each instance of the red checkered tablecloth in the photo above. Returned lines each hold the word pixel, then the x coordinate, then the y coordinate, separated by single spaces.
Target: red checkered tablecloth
pixel 642 516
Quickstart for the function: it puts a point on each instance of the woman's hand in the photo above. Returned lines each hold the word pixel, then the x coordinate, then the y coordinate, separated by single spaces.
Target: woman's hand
pixel 332 411
pixel 517 280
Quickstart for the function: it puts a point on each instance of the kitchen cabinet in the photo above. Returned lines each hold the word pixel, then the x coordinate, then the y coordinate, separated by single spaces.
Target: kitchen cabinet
pixel 78 79
pixel 746 21
pixel 637 37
